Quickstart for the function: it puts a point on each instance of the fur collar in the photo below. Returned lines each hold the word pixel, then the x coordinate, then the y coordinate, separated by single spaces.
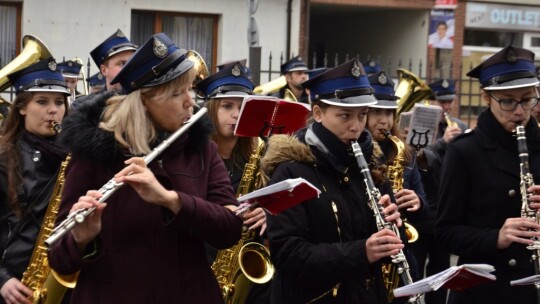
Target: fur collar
pixel 82 136
pixel 286 148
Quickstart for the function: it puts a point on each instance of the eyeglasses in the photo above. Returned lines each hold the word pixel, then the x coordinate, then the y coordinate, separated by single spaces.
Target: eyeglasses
pixel 509 104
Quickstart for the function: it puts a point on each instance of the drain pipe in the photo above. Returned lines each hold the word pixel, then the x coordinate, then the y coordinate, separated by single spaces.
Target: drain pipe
pixel 289 17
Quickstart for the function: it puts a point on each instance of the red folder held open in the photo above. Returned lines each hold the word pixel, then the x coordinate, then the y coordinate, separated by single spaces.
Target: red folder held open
pixel 262 116
pixel 279 196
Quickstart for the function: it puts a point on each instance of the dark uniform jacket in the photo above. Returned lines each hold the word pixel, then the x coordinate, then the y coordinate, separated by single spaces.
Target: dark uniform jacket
pixel 40 160
pixel 431 177
pixel 318 247
pixel 281 94
pixel 144 253
pixel 479 191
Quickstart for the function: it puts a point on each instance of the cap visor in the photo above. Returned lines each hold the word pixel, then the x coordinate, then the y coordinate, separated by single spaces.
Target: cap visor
pixel 70 75
pixel 298 69
pixel 176 72
pixel 122 49
pixel 49 89
pixel 350 102
pixel 231 94
pixel 449 97
pixel 385 104
pixel 514 84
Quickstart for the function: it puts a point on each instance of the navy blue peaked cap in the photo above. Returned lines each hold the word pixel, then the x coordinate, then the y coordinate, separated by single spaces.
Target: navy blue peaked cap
pixel 371 67
pixel 230 81
pixel 314 72
pixel 443 89
pixel 346 85
pixel 384 91
pixel 96 80
pixel 156 62
pixel 115 44
pixel 69 68
pixel 294 64
pixel 510 68
pixel 42 76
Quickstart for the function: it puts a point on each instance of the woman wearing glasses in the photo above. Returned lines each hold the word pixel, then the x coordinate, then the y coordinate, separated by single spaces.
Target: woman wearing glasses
pixel 479 215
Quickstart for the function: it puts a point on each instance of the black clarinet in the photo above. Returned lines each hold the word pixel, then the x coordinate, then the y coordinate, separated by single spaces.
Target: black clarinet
pixel 374 196
pixel 526 181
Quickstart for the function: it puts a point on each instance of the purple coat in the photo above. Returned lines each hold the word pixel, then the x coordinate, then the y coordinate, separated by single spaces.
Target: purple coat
pixel 145 253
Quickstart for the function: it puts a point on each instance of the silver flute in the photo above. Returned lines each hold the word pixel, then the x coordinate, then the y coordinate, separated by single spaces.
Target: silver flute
pixel 111 186
pixel 374 196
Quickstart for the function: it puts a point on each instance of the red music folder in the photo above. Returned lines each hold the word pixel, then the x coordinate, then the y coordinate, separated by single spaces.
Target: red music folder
pixel 279 196
pixel 262 116
pixel 456 277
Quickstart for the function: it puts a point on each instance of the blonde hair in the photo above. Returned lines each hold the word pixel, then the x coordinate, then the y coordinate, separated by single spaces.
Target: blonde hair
pixel 126 116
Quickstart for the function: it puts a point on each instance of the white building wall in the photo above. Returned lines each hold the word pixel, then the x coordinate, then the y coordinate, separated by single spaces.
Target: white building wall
pixel 72 28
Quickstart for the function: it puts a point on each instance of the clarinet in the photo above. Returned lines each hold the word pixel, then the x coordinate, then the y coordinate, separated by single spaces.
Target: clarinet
pixel 526 181
pixel 111 186
pixel 374 196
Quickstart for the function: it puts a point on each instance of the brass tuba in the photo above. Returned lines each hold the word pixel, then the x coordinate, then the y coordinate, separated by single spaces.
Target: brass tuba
pixel 33 51
pixel 199 65
pixel 247 262
pixel 410 90
pixel 201 70
pixel 271 87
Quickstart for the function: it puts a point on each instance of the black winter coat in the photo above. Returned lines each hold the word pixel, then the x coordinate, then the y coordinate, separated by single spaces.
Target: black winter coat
pixel 319 245
pixel 39 160
pixel 479 191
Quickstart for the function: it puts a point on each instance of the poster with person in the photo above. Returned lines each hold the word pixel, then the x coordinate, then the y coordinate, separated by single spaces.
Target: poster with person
pixel 441 29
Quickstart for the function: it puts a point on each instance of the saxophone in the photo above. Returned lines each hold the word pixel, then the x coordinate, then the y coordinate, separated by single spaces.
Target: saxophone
pixel 47 286
pixel 399 260
pixel 395 176
pixel 526 181
pixel 247 262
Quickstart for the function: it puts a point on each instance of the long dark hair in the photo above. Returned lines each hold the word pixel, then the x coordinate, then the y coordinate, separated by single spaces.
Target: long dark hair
pixel 9 153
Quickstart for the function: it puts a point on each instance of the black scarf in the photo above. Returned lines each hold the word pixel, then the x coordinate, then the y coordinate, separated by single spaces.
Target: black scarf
pixel 48 147
pixel 340 151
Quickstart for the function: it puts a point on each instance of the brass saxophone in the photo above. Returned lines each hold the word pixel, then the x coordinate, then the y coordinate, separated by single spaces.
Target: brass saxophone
pixel 247 262
pixel 395 176
pixel 47 286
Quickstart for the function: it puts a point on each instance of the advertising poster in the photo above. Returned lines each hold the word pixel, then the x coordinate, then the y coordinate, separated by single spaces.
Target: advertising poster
pixel 441 29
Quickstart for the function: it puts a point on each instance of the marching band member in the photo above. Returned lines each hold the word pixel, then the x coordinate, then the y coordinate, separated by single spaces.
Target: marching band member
pixel 296 72
pixel 147 246
pixel 479 200
pixel 224 92
pixel 70 70
pixel 111 55
pixel 411 198
pixel 328 249
pixel 29 163
pixel 96 83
